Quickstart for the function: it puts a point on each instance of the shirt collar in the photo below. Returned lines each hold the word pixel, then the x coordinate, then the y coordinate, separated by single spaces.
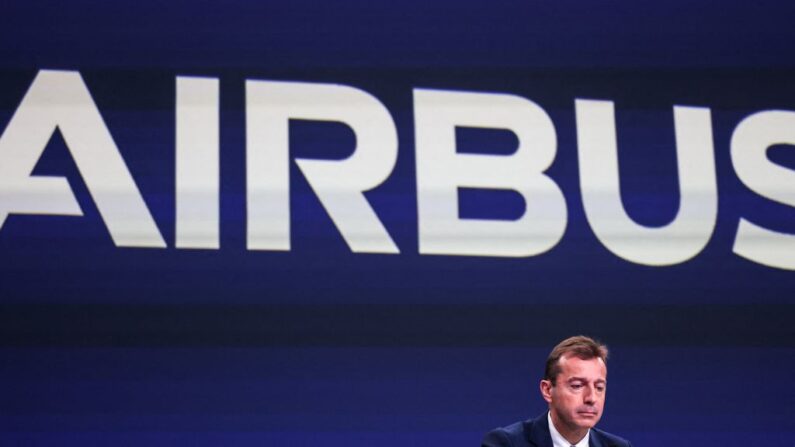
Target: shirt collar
pixel 559 441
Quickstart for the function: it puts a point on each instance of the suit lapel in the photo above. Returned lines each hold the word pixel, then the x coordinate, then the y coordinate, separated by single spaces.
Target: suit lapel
pixel 537 431
pixel 594 440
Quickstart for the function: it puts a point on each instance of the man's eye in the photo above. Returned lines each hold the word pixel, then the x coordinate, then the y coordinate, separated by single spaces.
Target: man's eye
pixel 600 388
pixel 576 386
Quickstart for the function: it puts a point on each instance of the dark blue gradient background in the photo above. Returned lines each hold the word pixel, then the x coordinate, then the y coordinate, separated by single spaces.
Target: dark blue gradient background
pixel 102 345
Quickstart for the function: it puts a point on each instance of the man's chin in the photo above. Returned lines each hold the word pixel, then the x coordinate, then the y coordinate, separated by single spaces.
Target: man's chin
pixel 587 419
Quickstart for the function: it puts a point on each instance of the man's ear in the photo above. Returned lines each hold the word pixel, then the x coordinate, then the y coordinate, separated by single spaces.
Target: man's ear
pixel 546 390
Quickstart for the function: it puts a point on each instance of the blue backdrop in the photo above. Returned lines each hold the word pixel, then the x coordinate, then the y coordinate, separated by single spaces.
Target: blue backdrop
pixel 130 346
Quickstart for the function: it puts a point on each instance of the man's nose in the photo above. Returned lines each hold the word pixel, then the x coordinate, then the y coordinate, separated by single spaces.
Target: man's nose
pixel 589 396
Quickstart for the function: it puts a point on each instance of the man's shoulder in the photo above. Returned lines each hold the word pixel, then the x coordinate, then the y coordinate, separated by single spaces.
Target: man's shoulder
pixel 513 435
pixel 609 439
pixel 519 433
pixel 509 436
pixel 515 429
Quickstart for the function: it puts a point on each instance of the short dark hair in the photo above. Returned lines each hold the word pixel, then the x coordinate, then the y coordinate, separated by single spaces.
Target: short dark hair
pixel 579 346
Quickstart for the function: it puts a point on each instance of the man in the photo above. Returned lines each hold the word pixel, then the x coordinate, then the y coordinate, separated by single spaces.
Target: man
pixel 574 386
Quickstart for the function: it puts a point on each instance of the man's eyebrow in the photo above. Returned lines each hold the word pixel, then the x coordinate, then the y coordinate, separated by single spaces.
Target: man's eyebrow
pixel 583 379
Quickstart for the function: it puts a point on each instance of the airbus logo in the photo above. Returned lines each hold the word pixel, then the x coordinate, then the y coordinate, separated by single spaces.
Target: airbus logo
pixel 61 100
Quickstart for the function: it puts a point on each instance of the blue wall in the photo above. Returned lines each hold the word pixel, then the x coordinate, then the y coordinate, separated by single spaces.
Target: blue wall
pixel 318 345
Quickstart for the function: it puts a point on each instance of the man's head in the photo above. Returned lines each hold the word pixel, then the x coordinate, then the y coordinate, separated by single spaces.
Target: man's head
pixel 575 384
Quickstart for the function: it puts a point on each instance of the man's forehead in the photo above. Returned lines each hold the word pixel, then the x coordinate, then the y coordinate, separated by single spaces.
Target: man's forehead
pixel 592 369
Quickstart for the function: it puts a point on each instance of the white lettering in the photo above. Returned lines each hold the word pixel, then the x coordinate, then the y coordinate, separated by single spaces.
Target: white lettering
pixel 694 223
pixel 441 171
pixel 197 152
pixel 61 100
pixel 749 144
pixel 338 184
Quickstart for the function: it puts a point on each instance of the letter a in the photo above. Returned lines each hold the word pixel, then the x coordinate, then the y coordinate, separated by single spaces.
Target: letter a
pixel 61 100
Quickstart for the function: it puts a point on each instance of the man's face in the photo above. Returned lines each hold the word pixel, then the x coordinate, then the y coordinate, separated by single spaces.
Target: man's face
pixel 578 395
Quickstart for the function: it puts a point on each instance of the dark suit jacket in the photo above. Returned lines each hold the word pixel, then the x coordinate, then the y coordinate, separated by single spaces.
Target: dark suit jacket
pixel 535 433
